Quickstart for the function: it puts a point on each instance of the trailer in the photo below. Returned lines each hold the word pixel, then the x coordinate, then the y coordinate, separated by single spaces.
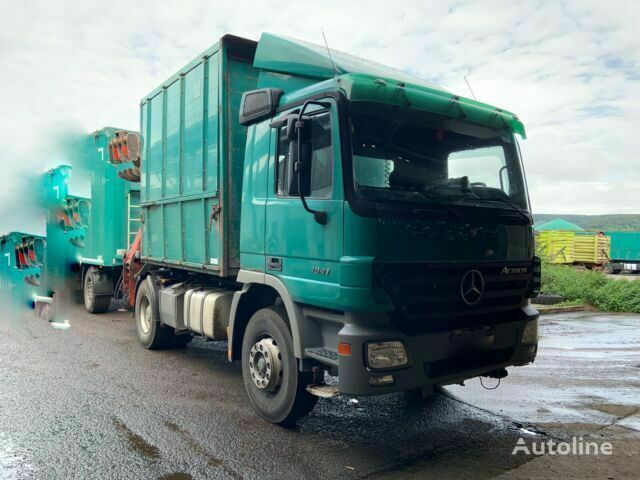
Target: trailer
pixel 66 219
pixel 324 214
pixel 22 256
pixel 625 252
pixel 114 216
pixel 590 250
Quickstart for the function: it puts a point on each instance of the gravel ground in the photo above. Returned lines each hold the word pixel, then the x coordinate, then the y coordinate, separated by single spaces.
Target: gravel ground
pixel 88 401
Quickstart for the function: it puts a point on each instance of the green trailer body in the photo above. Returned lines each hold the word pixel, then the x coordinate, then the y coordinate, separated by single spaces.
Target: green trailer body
pixel 625 246
pixel 193 159
pixel 114 216
pixel 625 252
pixel 66 219
pixel 22 257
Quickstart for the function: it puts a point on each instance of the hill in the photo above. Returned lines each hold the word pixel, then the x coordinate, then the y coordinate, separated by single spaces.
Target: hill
pixel 619 222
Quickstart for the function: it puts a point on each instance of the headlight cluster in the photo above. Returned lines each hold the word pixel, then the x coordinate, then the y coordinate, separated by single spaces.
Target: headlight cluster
pixel 383 355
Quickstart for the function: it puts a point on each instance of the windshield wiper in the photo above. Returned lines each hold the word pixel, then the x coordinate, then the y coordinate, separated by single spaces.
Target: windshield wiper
pixel 511 204
pixel 443 205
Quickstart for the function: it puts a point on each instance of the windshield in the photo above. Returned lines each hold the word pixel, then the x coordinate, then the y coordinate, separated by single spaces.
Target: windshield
pixel 400 154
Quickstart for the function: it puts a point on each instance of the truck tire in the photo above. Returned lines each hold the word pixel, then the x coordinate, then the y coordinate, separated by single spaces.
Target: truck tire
pixel 151 334
pixel 93 303
pixel 275 386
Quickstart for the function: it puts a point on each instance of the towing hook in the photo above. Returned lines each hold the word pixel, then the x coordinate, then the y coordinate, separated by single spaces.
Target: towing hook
pixel 500 373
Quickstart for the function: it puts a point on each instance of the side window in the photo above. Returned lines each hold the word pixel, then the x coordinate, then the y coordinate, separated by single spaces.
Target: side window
pixel 321 174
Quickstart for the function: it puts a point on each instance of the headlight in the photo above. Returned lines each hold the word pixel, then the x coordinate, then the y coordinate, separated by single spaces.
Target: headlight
pixel 530 332
pixel 382 355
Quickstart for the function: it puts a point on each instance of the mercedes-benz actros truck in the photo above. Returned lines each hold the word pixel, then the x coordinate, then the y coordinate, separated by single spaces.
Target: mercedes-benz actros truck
pixel 321 213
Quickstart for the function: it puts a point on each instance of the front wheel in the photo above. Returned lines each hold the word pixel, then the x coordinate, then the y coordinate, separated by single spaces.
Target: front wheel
pixel 275 386
pixel 151 334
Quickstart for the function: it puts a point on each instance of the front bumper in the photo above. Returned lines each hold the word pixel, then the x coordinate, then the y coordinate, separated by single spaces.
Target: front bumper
pixel 436 358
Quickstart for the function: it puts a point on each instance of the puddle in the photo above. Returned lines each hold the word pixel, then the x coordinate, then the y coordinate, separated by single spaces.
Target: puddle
pixel 212 460
pixel 136 442
pixel 12 462
pixel 176 476
pixel 616 410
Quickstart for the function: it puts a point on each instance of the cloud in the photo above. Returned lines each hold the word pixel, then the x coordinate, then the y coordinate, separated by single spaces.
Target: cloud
pixel 569 69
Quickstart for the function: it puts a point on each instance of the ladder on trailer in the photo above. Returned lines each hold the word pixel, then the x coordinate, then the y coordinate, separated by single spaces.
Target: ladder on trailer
pixel 133 215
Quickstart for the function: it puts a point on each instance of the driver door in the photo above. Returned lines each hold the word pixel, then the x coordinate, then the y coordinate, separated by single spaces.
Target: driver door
pixel 302 253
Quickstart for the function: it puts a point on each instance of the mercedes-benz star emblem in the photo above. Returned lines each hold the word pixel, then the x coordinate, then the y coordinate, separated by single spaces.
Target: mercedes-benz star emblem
pixel 472 287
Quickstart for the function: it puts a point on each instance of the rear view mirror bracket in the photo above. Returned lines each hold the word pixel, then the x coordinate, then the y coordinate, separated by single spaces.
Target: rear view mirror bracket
pixel 300 132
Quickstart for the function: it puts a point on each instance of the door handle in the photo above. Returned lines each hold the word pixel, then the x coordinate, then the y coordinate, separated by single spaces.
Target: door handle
pixel 274 263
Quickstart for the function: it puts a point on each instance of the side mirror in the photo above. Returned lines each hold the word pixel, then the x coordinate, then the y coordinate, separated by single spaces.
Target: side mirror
pixel 299 132
pixel 300 155
pixel 298 172
pixel 257 105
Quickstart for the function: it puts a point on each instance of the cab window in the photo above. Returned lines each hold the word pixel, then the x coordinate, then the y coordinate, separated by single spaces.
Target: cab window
pixel 321 178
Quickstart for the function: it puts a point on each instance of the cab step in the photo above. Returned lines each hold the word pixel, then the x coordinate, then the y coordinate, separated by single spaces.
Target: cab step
pixel 324 355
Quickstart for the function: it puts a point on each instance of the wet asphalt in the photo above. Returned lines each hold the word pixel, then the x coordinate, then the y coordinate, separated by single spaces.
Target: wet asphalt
pixel 90 402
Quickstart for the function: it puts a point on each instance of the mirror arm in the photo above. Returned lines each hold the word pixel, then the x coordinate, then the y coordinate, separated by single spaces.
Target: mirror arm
pixel 502 170
pixel 318 215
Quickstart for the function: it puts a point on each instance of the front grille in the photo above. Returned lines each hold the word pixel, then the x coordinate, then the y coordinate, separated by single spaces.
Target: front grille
pixel 424 292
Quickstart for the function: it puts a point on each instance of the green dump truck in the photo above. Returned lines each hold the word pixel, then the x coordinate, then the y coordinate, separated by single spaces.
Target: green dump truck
pixel 321 213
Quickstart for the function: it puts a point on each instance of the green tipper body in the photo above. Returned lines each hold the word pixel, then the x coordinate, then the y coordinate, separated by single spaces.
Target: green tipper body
pixel 114 217
pixel 193 160
pixel 208 183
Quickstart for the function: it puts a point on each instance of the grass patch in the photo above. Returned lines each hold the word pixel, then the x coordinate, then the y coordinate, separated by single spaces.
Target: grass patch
pixel 593 288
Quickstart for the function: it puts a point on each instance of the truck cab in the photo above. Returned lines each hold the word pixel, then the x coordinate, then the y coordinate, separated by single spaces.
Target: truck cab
pixel 422 265
pixel 383 235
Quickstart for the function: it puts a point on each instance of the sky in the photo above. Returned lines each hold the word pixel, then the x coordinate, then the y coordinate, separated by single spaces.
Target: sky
pixel 570 70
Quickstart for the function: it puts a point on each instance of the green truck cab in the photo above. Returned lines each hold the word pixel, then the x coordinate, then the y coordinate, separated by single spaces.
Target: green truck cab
pixel 322 213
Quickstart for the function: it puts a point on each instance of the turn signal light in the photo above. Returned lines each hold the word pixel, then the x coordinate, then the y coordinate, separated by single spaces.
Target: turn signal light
pixel 344 349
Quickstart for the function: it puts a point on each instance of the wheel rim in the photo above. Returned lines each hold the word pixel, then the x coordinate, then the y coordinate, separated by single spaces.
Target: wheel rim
pixel 88 292
pixel 265 365
pixel 145 316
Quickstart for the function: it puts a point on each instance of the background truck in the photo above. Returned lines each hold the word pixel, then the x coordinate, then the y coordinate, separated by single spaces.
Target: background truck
pixel 625 252
pixel 22 256
pixel 67 216
pixel 322 213
pixel 114 217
